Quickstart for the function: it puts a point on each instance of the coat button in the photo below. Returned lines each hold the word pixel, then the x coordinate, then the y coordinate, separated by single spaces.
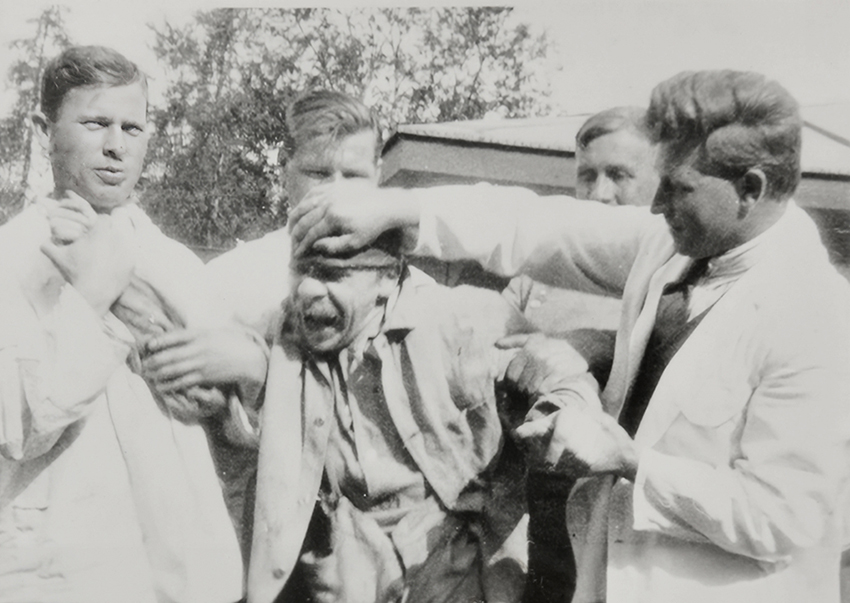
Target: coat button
pixel 278 573
pixel 319 422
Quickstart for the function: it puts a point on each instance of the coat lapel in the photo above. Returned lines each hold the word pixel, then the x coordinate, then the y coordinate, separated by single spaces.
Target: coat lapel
pixel 722 329
pixel 642 329
pixel 294 433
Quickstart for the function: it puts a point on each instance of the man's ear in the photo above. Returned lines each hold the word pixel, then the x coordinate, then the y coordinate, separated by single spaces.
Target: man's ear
pixel 751 188
pixel 41 128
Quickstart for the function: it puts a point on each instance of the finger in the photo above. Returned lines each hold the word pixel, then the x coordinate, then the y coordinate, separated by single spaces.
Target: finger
pixel 337 244
pixel 209 400
pixel 309 228
pixel 311 201
pixel 513 341
pixel 169 364
pixel 65 232
pixel 177 337
pixel 181 383
pixel 515 369
pixel 179 406
pixel 63 212
pixel 531 379
pixel 58 255
pixel 533 429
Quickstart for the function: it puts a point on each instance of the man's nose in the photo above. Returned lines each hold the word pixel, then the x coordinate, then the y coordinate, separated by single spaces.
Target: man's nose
pixel 114 144
pixel 659 201
pixel 310 288
pixel 603 190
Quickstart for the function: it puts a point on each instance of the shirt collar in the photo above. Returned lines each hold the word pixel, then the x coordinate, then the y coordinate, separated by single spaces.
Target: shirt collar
pixel 395 321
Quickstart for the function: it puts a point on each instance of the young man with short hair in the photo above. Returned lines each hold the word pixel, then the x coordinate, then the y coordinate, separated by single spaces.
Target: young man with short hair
pixel 107 487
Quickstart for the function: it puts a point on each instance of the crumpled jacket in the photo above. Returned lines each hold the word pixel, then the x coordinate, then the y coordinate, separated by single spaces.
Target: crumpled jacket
pixel 439 374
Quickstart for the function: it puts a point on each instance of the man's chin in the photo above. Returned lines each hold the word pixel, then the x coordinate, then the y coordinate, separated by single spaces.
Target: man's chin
pixel 322 346
pixel 106 204
pixel 106 198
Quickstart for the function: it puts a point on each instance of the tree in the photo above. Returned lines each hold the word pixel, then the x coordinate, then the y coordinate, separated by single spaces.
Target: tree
pixel 231 73
pixel 16 144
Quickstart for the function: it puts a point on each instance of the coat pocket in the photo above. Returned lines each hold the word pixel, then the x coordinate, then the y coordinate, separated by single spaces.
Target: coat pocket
pixel 713 403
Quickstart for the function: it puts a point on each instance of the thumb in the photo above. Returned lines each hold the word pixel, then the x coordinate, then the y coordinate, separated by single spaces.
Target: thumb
pixel 513 341
pixel 56 254
pixel 534 429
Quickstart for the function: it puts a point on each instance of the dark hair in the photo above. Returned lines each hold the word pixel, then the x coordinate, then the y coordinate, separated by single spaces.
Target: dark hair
pixel 80 66
pixel 325 113
pixel 739 120
pixel 613 120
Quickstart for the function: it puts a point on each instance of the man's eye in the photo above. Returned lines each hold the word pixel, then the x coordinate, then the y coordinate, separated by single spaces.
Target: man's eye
pixel 329 274
pixel 618 175
pixel 316 174
pixel 133 129
pixel 325 274
pixel 94 124
pixel 586 177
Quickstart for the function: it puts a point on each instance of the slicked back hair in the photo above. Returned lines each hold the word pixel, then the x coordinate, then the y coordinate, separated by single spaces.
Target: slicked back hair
pixel 613 120
pixel 82 66
pixel 737 120
pixel 327 114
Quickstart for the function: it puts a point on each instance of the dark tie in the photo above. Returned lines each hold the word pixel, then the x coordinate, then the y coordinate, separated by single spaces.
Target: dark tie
pixel 671 329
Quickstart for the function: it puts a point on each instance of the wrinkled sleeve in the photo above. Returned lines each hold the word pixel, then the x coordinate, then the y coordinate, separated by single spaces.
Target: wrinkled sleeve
pixel 51 370
pixel 556 240
pixel 252 281
pixel 478 324
pixel 780 491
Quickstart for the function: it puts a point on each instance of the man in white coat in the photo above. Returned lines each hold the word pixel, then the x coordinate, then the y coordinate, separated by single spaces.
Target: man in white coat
pixel 107 487
pixel 731 362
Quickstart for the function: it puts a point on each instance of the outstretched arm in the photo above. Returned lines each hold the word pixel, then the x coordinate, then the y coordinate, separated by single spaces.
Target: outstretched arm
pixel 508 230
pixel 351 214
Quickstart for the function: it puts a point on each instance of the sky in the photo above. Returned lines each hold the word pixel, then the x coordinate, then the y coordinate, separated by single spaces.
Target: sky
pixel 606 52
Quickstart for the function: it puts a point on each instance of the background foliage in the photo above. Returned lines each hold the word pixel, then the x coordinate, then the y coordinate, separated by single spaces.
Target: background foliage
pixel 212 169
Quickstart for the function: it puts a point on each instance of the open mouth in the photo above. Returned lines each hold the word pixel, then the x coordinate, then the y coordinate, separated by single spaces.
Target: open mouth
pixel 316 321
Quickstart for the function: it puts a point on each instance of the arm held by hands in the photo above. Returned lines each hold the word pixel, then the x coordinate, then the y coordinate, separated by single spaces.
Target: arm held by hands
pixel 185 358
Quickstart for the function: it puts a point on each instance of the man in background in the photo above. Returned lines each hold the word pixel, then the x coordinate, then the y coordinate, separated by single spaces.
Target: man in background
pixel 615 165
pixel 615 158
pixel 328 137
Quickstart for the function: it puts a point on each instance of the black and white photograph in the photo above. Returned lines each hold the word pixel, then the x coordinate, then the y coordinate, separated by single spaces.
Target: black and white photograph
pixel 396 302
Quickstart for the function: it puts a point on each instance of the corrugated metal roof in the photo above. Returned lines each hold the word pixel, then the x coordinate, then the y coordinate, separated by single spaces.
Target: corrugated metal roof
pixel 547 133
pixel 823 154
pixel 824 149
